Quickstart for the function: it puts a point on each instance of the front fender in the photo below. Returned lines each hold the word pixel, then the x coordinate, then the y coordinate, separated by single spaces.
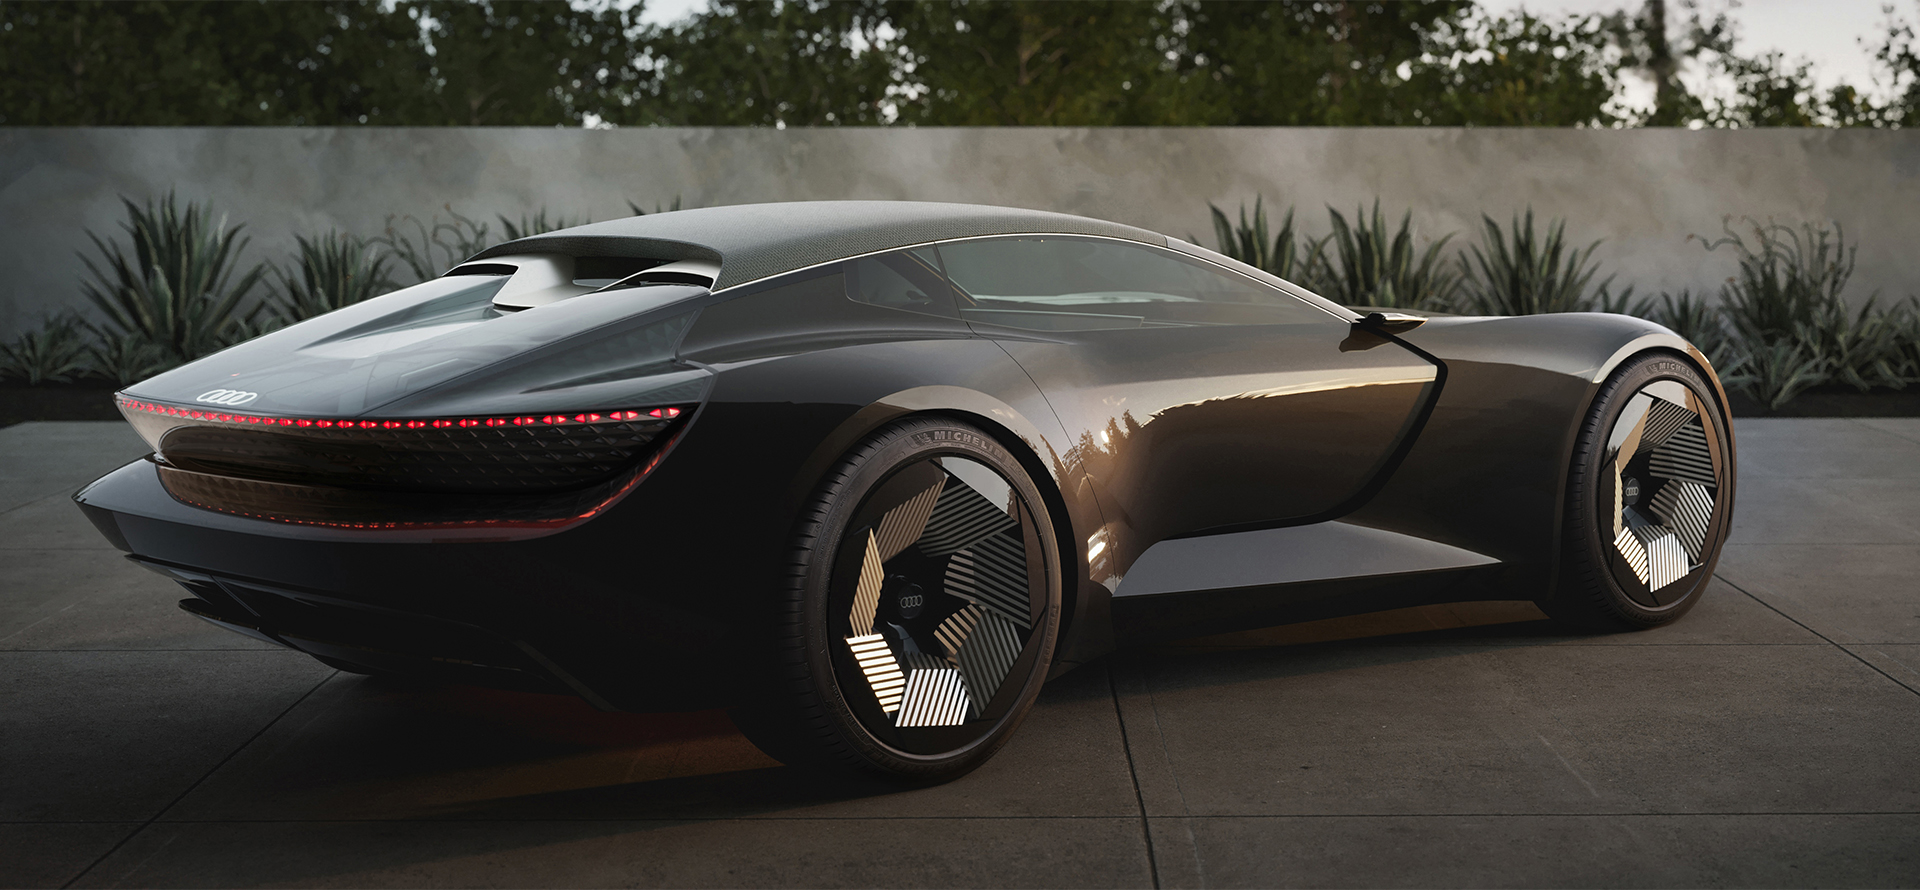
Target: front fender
pixel 1488 473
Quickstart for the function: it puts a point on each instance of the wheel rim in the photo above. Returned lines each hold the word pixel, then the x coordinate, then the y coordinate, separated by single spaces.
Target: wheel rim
pixel 1659 493
pixel 937 598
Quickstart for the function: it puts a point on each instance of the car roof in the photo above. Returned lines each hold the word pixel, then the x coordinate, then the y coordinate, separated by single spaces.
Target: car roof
pixel 756 241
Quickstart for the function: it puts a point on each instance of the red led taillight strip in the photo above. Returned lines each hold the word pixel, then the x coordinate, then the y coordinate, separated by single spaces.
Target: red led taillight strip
pixel 438 423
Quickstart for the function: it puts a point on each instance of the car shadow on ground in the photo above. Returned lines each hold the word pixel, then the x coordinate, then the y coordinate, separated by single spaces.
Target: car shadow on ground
pixel 411 773
pixel 383 748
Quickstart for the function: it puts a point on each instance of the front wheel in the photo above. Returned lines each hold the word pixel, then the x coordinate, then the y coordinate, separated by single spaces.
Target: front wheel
pixel 920 609
pixel 1649 499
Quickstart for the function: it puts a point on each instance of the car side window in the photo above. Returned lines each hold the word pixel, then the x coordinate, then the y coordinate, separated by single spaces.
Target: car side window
pixel 1078 284
pixel 908 280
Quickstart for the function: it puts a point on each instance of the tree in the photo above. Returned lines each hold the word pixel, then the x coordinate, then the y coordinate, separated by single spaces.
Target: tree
pixel 759 64
pixel 1514 72
pixel 328 63
pixel 916 62
pixel 1299 64
pixel 1035 63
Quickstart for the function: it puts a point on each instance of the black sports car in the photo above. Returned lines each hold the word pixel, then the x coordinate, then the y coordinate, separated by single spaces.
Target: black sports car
pixel 870 472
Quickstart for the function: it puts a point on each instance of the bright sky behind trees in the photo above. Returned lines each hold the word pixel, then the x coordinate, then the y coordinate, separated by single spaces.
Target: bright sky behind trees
pixel 957 63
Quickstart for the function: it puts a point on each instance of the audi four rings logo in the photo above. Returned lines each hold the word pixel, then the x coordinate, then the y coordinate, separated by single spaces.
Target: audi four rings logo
pixel 227 397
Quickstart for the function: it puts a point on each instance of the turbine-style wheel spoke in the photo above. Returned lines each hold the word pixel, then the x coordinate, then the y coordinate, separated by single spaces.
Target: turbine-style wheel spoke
pixel 1649 497
pixel 941 586
pixel 919 619
pixel 1662 472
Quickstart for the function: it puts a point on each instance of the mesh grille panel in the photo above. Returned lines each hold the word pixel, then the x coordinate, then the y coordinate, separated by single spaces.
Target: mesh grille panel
pixel 479 459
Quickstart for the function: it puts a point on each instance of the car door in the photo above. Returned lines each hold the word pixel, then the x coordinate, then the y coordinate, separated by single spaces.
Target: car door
pixel 1203 400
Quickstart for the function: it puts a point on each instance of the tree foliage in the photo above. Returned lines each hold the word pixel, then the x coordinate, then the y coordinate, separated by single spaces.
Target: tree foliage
pixel 918 62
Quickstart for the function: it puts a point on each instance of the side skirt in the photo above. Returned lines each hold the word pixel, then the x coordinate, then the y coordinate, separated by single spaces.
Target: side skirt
pixel 1239 580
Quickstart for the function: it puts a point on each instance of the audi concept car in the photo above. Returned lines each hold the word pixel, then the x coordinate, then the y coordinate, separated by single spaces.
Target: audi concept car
pixel 869 473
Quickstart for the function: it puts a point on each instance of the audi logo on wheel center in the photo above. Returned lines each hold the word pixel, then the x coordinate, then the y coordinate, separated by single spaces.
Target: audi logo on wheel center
pixel 226 397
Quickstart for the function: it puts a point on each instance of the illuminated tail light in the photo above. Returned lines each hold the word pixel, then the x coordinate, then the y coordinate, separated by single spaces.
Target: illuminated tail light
pixel 519 453
pixel 159 409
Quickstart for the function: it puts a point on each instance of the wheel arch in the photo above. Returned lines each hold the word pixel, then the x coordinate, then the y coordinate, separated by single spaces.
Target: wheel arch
pixel 1014 431
pixel 1658 340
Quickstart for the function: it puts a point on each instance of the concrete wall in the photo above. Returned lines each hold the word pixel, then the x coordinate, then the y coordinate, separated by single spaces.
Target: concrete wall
pixel 1644 191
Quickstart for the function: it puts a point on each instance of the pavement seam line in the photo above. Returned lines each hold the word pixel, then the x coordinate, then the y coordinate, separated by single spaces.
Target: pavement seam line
pixel 1133 772
pixel 1803 626
pixel 1860 422
pixel 26 504
pixel 683 820
pixel 1186 812
pixel 197 782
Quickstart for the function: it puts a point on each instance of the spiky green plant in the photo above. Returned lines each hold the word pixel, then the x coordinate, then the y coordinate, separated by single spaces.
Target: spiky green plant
pixel 1789 291
pixel 1787 279
pixel 537 224
pixel 1519 271
pixel 1377 266
pixel 1696 320
pixel 1862 349
pixel 1776 372
pixel 1905 319
pixel 1622 303
pixel 54 353
pixel 639 211
pixel 181 286
pixel 124 358
pixel 432 248
pixel 1253 242
pixel 331 271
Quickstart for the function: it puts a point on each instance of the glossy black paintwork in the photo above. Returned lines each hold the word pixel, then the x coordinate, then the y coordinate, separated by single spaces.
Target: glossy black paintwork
pixel 659 603
pixel 1187 431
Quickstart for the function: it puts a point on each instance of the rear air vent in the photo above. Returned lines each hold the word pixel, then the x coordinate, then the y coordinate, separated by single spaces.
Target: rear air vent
pixel 484 269
pixel 699 273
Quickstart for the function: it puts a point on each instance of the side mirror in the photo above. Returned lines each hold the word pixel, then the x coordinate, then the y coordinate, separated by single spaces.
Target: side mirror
pixel 1390 322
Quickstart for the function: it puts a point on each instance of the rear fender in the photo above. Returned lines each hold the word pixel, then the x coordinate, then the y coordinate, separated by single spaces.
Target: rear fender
pixel 1033 436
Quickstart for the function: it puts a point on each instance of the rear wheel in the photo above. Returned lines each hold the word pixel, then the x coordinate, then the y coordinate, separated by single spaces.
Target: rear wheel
pixel 920 610
pixel 1649 498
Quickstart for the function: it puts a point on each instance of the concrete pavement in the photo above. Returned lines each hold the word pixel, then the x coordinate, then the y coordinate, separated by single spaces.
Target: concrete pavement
pixel 1772 738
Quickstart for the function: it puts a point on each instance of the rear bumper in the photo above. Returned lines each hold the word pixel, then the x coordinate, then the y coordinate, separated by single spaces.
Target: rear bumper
pixel 582 610
pixel 372 640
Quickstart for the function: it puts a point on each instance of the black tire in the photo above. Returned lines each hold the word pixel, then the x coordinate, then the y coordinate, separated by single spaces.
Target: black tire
pixel 1637 553
pixel 899 609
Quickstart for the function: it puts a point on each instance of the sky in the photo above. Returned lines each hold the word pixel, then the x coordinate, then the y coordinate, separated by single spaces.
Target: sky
pixel 1825 32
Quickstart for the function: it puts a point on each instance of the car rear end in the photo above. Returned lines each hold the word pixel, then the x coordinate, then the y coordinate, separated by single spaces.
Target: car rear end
pixel 467 478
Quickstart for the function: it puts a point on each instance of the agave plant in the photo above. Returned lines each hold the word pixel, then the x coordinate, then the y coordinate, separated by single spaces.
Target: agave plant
pixel 639 211
pixel 1862 349
pixel 1520 272
pixel 1381 267
pixel 56 353
pixel 430 249
pixel 177 287
pixel 1253 243
pixel 1776 372
pixel 1905 320
pixel 1698 321
pixel 333 270
pixel 1622 303
pixel 537 224
pixel 1790 291
pixel 125 358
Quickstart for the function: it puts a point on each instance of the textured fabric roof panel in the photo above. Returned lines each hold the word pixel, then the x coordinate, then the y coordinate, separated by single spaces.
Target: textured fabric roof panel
pixel 755 241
